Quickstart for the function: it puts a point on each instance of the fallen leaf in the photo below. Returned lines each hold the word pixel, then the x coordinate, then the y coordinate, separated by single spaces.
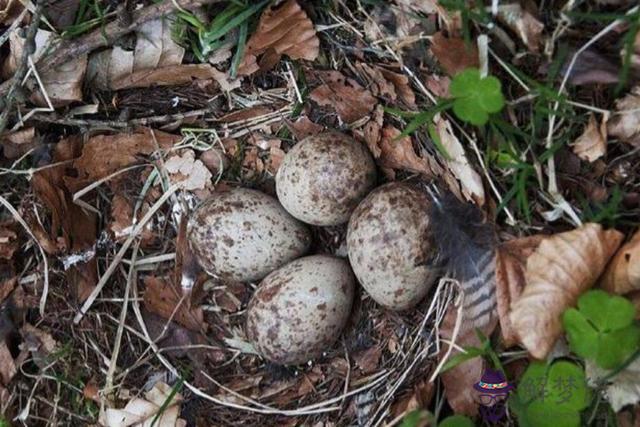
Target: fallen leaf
pixel 159 402
pixel 8 368
pixel 283 30
pixel 39 343
pixel 215 160
pixel 369 359
pixel 399 153
pixel 592 144
pixel 418 397
pixel 625 122
pixel 350 100
pixel 63 84
pixel 162 297
pixel 73 227
pixel 623 273
pixel 62 13
pixel 439 85
pixel 9 11
pixel 165 76
pixel 470 182
pixel 18 143
pixel 387 84
pixel 303 127
pixel 621 390
pixel 523 23
pixel 276 156
pixel 590 67
pixel 561 268
pixel 121 224
pixel 453 54
pixel 187 171
pixel 103 155
pixel 511 260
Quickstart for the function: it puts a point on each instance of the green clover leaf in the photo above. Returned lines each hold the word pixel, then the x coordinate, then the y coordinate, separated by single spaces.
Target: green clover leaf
pixel 456 421
pixel 602 328
pixel 551 395
pixel 475 97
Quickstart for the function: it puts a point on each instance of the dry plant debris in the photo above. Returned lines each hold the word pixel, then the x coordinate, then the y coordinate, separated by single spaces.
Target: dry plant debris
pixel 560 269
pixel 592 144
pixel 623 273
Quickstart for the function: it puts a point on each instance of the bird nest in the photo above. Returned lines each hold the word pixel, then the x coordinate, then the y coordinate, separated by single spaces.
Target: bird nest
pixel 378 370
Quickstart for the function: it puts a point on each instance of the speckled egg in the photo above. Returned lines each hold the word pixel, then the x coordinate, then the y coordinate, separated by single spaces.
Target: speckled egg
pixel 323 178
pixel 299 310
pixel 389 245
pixel 244 235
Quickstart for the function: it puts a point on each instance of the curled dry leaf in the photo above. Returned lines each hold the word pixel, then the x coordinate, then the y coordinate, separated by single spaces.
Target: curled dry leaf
pixel 523 23
pixel 18 143
pixel 9 11
pixel 8 367
pixel 623 273
pixel 160 402
pixel 165 299
pixel 399 153
pixel 283 30
pixel 303 127
pixel 63 84
pixel 625 123
pixel 453 54
pixel 470 183
pixel 511 260
pixel 350 100
pixel 592 144
pixel 387 84
pixel 561 268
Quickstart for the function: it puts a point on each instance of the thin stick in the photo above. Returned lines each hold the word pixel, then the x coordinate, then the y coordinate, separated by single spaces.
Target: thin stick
pixel 116 261
pixel 18 217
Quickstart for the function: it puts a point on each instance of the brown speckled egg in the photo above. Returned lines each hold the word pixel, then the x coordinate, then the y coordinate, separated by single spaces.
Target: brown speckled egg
pixel 299 310
pixel 244 235
pixel 390 247
pixel 323 178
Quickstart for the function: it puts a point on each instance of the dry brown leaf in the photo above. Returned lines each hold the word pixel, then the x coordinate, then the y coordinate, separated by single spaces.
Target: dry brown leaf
pixel 592 144
pixel 625 123
pixel 166 76
pixel 350 100
pixel 369 359
pixel 162 297
pixel 453 54
pixel 470 182
pixel 9 11
pixel 562 267
pixel 523 23
pixel 387 84
pixel 63 84
pixel 399 153
pixel 18 143
pixel 104 154
pixel 511 260
pixel 623 273
pixel 7 365
pixel 439 85
pixel 74 228
pixel 160 402
pixel 303 127
pixel 283 30
pixel 276 156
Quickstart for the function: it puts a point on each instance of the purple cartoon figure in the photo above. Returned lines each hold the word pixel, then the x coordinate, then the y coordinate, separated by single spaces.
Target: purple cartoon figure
pixel 493 390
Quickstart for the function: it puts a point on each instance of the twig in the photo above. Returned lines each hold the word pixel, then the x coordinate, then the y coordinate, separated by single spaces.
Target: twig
pixel 10 87
pixel 114 30
pixel 16 22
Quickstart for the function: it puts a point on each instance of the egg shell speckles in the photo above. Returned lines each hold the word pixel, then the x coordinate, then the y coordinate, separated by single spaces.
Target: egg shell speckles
pixel 389 245
pixel 323 178
pixel 244 234
pixel 299 310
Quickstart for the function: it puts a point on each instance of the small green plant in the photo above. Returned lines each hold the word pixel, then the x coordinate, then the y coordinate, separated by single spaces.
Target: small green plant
pixel 602 329
pixel 485 351
pixel 476 97
pixel 456 421
pixel 417 418
pixel 552 395
pixel 205 39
